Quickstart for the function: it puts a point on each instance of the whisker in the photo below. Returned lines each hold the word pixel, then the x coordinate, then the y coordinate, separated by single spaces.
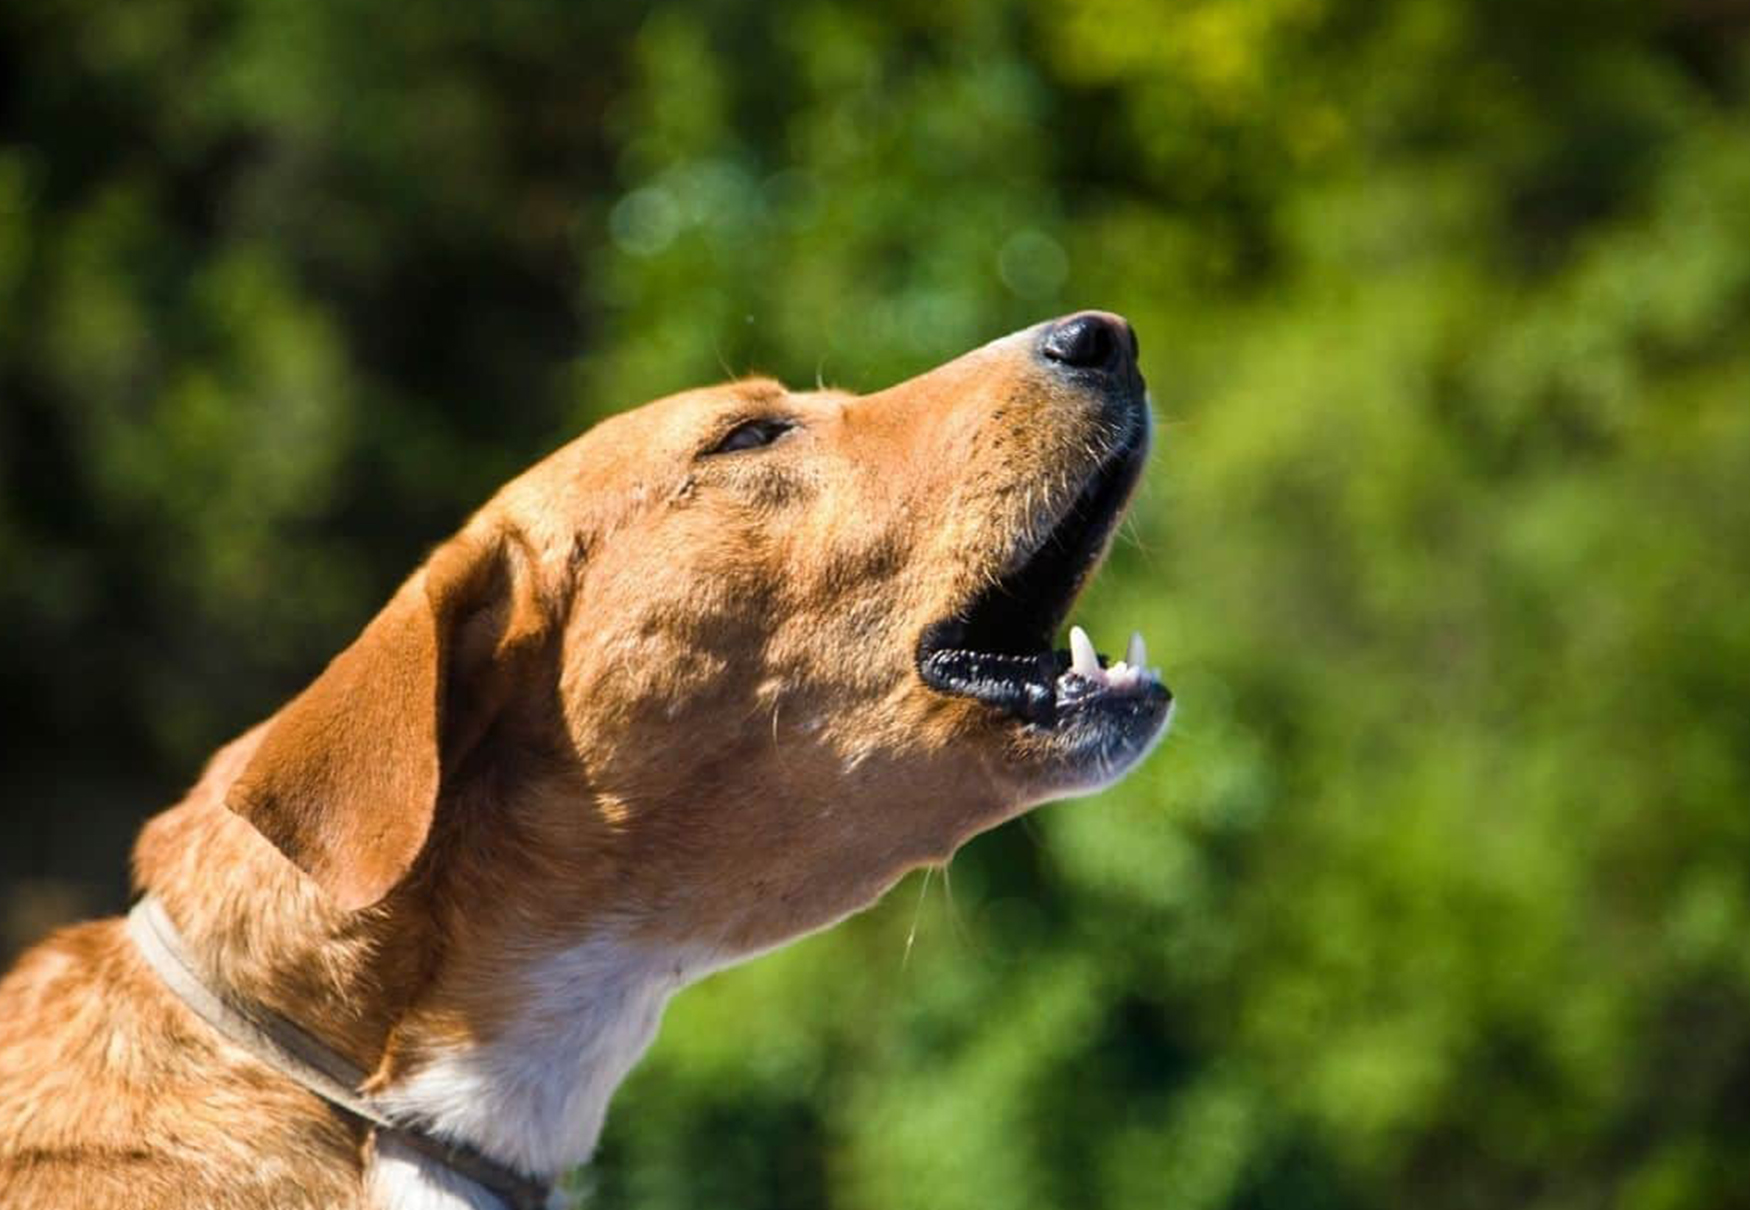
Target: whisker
pixel 777 744
pixel 1133 536
pixel 917 913
pixel 717 348
pixel 954 919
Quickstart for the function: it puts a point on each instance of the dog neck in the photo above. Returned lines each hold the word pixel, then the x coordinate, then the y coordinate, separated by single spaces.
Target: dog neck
pixel 535 1092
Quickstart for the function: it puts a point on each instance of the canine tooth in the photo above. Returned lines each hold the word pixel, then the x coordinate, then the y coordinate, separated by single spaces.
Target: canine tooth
pixel 1136 655
pixel 1083 658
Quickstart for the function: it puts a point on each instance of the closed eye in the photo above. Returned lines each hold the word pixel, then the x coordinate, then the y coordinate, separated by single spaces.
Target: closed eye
pixel 752 434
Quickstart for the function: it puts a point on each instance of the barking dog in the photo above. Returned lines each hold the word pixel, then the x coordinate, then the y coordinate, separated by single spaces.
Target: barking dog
pixel 714 675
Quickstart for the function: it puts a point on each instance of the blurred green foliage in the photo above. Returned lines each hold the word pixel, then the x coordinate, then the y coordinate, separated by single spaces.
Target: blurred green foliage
pixel 1438 894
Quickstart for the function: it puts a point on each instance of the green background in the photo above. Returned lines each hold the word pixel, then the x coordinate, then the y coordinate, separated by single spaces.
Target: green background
pixel 1439 893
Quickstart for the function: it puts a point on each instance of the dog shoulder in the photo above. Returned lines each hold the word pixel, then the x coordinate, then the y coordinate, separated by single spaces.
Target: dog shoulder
pixel 111 1095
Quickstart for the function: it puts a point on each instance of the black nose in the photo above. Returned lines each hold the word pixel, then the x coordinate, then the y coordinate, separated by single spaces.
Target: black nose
pixel 1091 340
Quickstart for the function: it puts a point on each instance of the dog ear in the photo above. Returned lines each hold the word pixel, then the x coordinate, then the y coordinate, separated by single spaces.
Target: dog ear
pixel 346 779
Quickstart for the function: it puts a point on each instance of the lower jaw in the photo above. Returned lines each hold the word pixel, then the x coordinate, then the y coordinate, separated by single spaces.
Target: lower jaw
pixel 1088 746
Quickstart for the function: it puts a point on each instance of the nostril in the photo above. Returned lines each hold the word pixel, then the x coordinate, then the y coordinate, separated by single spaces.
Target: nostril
pixel 1090 340
pixel 1081 340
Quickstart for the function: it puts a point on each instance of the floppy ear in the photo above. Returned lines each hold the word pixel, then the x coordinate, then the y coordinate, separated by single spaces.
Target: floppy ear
pixel 345 781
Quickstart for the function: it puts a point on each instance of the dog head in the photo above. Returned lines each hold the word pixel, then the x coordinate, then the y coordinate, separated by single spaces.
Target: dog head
pixel 735 661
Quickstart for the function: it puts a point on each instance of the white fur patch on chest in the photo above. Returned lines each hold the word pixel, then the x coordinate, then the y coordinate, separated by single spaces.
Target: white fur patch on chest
pixel 535 1096
pixel 403 1179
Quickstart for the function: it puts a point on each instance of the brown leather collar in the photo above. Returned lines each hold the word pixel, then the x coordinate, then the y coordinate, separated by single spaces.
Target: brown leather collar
pixel 304 1060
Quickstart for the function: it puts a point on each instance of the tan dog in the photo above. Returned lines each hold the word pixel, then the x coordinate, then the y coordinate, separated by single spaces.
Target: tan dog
pixel 712 676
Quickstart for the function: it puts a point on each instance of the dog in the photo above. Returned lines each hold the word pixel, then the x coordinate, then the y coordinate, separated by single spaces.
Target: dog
pixel 712 676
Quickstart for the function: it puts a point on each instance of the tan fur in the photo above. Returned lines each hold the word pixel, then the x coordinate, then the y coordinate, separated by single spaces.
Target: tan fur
pixel 673 690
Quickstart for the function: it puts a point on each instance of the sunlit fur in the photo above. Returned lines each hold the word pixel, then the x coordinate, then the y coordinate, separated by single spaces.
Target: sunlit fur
pixel 649 712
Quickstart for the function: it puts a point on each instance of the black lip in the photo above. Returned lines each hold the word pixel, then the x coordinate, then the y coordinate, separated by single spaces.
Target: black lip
pixel 997 649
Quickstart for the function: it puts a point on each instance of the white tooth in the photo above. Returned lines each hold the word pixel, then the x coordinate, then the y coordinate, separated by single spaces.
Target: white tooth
pixel 1136 655
pixel 1082 657
pixel 1117 671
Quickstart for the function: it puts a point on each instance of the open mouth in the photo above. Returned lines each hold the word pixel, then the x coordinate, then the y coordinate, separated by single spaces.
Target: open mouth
pixel 998 649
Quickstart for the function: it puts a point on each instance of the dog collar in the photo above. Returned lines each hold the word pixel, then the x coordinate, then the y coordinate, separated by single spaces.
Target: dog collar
pixel 305 1061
